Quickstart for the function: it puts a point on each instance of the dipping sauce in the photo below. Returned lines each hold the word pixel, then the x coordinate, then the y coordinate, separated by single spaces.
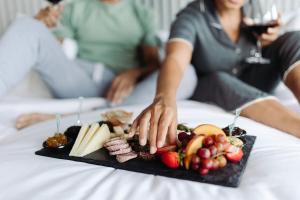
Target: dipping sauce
pixel 57 141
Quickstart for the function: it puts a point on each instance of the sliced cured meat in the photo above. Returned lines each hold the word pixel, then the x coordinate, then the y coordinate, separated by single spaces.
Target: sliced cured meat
pixel 117 147
pixel 146 156
pixel 121 151
pixel 115 138
pixel 126 157
pixel 115 142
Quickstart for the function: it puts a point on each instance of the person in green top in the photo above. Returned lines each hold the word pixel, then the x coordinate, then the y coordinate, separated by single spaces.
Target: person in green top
pixel 117 35
pixel 117 57
pixel 109 31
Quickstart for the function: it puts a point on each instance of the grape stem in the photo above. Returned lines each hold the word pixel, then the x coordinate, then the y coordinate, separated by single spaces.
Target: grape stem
pixel 219 154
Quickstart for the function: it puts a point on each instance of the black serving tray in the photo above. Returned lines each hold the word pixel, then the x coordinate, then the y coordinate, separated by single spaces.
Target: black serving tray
pixel 229 176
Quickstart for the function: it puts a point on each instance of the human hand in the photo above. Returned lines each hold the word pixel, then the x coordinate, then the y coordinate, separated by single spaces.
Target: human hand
pixel 123 85
pixel 272 34
pixel 49 15
pixel 158 122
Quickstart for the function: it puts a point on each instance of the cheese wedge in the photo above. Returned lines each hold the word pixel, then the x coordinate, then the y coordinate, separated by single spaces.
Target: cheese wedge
pixel 79 139
pixel 118 130
pixel 87 138
pixel 98 140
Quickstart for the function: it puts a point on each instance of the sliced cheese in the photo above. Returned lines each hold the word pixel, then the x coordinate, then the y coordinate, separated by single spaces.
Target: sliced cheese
pixel 87 138
pixel 98 140
pixel 118 130
pixel 79 139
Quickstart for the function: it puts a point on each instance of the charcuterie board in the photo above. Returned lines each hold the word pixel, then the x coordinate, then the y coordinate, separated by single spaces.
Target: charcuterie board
pixel 229 176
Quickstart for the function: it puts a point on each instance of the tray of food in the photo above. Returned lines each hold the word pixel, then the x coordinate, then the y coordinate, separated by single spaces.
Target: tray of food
pixel 206 153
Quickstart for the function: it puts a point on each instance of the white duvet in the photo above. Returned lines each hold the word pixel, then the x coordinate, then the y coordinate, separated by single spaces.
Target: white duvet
pixel 272 172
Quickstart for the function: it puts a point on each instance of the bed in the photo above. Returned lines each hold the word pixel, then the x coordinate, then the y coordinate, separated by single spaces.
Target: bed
pixel 272 172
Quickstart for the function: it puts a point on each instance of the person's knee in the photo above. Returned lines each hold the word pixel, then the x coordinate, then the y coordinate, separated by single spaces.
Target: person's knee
pixel 219 76
pixel 28 26
pixel 288 43
pixel 293 36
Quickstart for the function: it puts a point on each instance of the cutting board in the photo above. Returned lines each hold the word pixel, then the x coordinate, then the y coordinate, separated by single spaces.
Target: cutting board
pixel 229 176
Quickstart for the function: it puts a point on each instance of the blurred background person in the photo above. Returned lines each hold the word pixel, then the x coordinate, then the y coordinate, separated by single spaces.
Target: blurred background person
pixel 118 53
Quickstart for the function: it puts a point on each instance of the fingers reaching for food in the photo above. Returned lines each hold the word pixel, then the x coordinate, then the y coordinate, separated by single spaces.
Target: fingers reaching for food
pixel 157 123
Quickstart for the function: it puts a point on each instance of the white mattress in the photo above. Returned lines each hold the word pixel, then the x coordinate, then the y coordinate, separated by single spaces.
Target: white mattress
pixel 272 172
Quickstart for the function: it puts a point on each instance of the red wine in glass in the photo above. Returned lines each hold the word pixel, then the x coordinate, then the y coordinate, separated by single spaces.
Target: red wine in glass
pixel 260 28
pixel 54 1
pixel 257 19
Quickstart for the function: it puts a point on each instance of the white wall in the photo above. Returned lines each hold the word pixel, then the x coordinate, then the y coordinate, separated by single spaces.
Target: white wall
pixel 165 9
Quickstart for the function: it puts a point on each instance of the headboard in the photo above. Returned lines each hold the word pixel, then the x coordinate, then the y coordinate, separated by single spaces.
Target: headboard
pixel 165 10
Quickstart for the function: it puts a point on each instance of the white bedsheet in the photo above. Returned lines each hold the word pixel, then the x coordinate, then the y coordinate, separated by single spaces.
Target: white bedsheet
pixel 272 172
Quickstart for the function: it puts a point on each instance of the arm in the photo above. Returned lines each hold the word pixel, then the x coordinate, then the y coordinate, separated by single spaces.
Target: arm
pixel 161 115
pixel 271 35
pixel 179 55
pixel 50 17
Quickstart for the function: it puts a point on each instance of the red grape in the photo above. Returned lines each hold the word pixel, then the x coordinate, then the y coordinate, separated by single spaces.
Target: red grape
pixel 193 135
pixel 195 166
pixel 196 159
pixel 203 153
pixel 215 165
pixel 213 150
pixel 222 161
pixel 221 138
pixel 220 147
pixel 203 171
pixel 206 163
pixel 182 136
pixel 208 141
pixel 183 149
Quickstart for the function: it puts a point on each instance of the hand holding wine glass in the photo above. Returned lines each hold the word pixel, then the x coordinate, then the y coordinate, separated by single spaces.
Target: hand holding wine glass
pixel 271 34
pixel 264 22
pixel 51 14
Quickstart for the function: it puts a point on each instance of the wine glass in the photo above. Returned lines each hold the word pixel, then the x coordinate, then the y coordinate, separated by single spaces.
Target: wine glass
pixel 78 122
pixel 58 119
pixel 54 2
pixel 257 19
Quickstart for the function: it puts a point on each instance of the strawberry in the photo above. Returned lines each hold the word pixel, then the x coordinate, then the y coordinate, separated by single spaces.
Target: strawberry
pixel 235 156
pixel 231 148
pixel 171 159
pixel 165 149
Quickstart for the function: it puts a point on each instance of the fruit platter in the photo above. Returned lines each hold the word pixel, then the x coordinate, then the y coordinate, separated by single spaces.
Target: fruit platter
pixel 206 153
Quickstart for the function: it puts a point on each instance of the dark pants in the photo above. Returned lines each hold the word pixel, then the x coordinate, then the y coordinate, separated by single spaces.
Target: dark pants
pixel 254 81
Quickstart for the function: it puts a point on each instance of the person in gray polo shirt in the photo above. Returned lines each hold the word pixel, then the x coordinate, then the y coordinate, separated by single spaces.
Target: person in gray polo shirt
pixel 208 34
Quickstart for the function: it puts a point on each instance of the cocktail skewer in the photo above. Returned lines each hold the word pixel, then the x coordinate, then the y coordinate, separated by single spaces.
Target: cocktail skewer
pixel 58 119
pixel 80 99
pixel 231 126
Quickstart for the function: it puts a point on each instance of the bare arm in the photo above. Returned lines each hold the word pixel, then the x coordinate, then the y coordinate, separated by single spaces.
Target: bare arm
pixel 158 122
pixel 178 58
